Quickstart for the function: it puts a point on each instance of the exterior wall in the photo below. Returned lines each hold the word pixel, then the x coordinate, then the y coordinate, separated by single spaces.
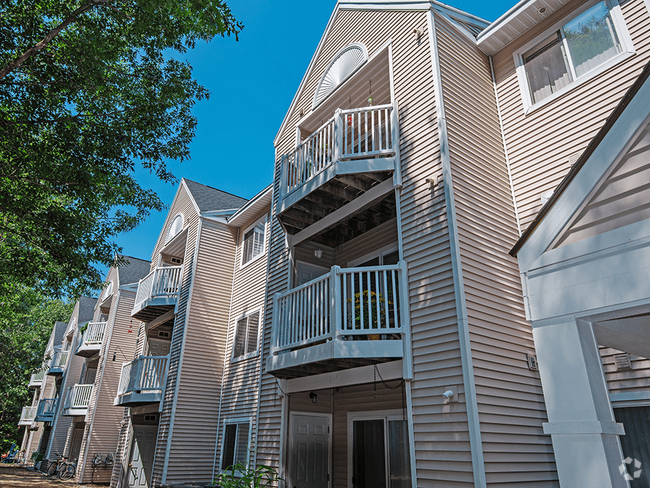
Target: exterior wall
pixel 635 380
pixel 103 419
pixel 510 400
pixel 194 434
pixel 182 204
pixel 539 157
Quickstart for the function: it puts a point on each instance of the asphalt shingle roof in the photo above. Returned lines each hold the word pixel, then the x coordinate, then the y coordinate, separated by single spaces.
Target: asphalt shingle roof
pixel 134 270
pixel 59 331
pixel 86 309
pixel 210 199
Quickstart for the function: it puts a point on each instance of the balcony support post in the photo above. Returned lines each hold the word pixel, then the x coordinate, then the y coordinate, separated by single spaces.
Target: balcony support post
pixel 275 334
pixel 335 299
pixel 405 320
pixel 283 176
pixel 138 373
pixel 338 134
pixel 397 175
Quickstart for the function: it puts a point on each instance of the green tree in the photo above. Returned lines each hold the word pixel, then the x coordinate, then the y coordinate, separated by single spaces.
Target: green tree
pixel 88 90
pixel 26 321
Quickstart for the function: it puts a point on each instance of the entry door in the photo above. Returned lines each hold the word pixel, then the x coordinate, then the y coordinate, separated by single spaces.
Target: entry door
pixel 77 437
pixel 141 465
pixel 158 347
pixel 309 457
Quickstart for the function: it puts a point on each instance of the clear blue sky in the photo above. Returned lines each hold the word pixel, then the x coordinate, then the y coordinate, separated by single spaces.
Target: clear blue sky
pixel 252 82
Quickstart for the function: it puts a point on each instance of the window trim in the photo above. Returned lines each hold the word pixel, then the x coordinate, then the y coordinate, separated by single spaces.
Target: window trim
pixel 624 38
pixel 386 415
pixel 254 352
pixel 243 264
pixel 237 421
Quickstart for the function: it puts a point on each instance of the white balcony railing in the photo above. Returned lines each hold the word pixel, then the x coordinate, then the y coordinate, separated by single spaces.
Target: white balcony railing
pixel 143 374
pixel 94 333
pixel 27 416
pixel 161 282
pixel 58 362
pixel 360 133
pixel 345 304
pixel 37 378
pixel 46 409
pixel 78 399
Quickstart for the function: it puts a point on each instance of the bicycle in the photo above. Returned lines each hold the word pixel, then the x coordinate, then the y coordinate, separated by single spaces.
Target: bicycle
pixel 53 466
pixel 67 470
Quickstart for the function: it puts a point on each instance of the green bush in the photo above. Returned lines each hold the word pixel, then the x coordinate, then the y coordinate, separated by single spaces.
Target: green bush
pixel 241 476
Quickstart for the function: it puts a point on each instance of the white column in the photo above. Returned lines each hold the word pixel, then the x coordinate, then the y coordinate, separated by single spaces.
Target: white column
pixel 581 422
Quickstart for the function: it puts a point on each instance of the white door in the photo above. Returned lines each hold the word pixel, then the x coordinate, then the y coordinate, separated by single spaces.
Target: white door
pixel 309 458
pixel 158 347
pixel 144 443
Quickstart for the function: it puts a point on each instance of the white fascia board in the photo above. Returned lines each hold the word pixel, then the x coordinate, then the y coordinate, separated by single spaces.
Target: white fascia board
pixel 252 207
pixel 613 147
pixel 196 207
pixel 505 19
pixel 164 227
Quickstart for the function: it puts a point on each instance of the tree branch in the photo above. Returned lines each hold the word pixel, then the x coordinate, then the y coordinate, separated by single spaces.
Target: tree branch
pixel 48 38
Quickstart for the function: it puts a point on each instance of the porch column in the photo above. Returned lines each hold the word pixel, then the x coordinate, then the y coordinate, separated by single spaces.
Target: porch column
pixel 581 422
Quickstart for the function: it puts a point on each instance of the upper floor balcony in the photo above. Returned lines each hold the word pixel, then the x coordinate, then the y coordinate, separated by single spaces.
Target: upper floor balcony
pixel 77 400
pixel 36 380
pixel 157 293
pixel 27 416
pixel 57 364
pixel 142 381
pixel 46 409
pixel 351 154
pixel 91 339
pixel 344 319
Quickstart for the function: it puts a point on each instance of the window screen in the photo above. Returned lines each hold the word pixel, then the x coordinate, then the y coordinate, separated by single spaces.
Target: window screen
pixel 235 445
pixel 253 243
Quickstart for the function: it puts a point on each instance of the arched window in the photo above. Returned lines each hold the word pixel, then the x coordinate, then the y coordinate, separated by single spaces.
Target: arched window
pixel 108 290
pixel 175 227
pixel 344 64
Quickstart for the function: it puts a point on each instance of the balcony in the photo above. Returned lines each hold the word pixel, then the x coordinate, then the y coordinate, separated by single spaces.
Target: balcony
pixel 157 293
pixel 77 400
pixel 46 410
pixel 91 339
pixel 353 153
pixel 347 318
pixel 27 416
pixel 58 362
pixel 142 381
pixel 36 380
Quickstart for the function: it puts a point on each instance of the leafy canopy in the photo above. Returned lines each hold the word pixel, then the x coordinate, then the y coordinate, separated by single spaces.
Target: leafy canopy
pixel 88 90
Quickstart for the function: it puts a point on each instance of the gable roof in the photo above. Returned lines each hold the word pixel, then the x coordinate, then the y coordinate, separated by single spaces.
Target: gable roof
pixel 210 199
pixel 610 123
pixel 133 271
pixel 58 332
pixel 86 309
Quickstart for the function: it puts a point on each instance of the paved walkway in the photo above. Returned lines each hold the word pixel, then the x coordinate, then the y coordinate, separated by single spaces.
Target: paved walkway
pixel 12 476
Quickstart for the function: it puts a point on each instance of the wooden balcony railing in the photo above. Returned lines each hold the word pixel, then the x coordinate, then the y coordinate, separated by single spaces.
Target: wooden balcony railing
pixel 78 399
pixel 345 304
pixel 27 416
pixel 360 133
pixel 143 374
pixel 46 409
pixel 37 379
pixel 161 282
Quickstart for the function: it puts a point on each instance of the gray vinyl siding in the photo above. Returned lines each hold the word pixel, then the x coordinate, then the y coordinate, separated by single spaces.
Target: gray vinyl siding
pixel 182 204
pixel 510 400
pixel 541 154
pixel 622 199
pixel 635 380
pixel 195 425
pixel 241 377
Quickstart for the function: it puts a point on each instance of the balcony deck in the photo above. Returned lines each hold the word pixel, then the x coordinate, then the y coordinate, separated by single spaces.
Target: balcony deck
pixel 157 293
pixel 27 416
pixel 91 339
pixel 77 400
pixel 347 318
pixel 36 380
pixel 142 381
pixel 351 153
pixel 58 362
pixel 46 410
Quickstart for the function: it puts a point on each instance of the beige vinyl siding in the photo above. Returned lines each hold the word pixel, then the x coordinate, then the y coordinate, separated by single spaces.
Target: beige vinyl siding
pixel 635 380
pixel 381 236
pixel 195 425
pixel 241 377
pixel 510 400
pixel 103 421
pixel 542 145
pixel 182 204
pixel 622 199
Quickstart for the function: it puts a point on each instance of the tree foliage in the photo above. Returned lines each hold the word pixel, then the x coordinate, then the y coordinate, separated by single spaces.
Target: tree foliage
pixel 26 321
pixel 88 90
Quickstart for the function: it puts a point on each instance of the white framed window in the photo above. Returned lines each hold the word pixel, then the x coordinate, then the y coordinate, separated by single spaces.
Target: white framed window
pixel 378 449
pixel 108 290
pixel 174 228
pixel 235 445
pixel 571 52
pixel 253 241
pixel 246 335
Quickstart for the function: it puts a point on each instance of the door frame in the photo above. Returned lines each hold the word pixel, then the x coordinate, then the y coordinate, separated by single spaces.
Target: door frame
pixel 388 414
pixel 328 416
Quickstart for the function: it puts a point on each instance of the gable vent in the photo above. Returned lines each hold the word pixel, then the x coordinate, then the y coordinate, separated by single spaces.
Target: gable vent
pixel 344 64
pixel 162 333
pixel 623 362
